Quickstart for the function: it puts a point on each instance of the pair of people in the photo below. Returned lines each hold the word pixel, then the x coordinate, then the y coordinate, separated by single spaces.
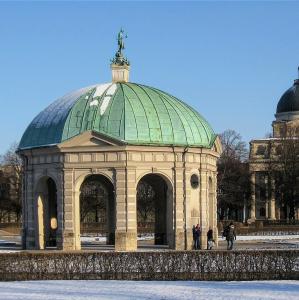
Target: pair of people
pixel 230 234
pixel 196 237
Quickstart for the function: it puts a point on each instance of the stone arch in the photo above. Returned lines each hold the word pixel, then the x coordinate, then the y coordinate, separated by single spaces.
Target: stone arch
pixel 104 192
pixel 161 210
pixel 40 178
pixel 80 179
pixel 45 208
pixel 165 176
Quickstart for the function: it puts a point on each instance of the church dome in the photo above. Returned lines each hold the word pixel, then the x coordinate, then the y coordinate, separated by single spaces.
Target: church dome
pixel 289 101
pixel 131 113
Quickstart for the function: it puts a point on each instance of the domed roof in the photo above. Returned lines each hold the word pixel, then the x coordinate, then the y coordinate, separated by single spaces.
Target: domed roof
pixel 289 101
pixel 132 113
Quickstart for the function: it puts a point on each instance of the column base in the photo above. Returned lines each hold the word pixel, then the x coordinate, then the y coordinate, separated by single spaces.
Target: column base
pixel 69 242
pixel 125 240
pixel 179 240
pixel 203 241
pixel 190 242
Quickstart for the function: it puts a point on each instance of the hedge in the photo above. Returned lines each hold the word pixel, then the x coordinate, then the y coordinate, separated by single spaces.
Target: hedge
pixel 164 265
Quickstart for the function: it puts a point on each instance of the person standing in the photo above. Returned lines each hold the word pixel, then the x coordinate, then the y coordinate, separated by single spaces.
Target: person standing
pixel 197 237
pixel 194 236
pixel 210 239
pixel 230 236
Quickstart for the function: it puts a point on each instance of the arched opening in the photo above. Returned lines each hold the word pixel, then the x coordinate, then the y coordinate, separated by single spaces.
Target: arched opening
pixel 154 211
pixel 211 203
pixel 46 213
pixel 97 210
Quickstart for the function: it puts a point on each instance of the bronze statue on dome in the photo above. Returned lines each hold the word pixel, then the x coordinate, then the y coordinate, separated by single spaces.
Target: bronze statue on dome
pixel 119 59
pixel 120 40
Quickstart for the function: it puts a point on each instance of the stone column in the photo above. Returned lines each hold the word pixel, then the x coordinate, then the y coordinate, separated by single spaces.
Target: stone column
pixel 215 228
pixel 60 209
pixel 188 223
pixel 277 212
pixel 204 212
pixel 24 218
pixel 179 222
pixel 267 206
pixel 126 214
pixel 70 214
pixel 252 209
pixel 30 225
pixel 272 201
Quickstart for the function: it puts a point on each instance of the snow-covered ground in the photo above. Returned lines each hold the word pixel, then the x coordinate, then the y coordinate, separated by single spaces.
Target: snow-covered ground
pixel 243 242
pixel 175 290
pixel 266 237
pixel 102 239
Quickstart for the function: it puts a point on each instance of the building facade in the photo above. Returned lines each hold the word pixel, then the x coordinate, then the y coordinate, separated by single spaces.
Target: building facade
pixel 118 134
pixel 274 157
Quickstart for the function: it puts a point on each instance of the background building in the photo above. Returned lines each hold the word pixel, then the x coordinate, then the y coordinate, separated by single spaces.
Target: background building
pixel 274 164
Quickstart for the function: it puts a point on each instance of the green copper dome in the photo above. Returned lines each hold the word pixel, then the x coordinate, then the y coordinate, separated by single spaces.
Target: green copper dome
pixel 132 113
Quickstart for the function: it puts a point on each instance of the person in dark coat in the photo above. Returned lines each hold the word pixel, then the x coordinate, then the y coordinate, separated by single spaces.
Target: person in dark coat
pixel 197 237
pixel 230 236
pixel 210 239
pixel 194 236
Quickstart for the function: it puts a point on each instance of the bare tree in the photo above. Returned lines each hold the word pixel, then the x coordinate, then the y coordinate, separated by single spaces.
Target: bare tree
pixel 233 175
pixel 13 161
pixel 233 146
pixel 145 201
pixel 93 201
pixel 284 169
pixel 5 203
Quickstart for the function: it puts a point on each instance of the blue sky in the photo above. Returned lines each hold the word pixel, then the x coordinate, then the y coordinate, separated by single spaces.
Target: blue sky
pixel 230 60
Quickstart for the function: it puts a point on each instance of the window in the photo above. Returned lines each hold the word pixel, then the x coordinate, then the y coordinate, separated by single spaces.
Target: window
pixel 194 181
pixel 262 212
pixel 261 150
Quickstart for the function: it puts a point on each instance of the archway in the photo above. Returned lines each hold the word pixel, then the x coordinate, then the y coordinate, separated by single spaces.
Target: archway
pixel 97 209
pixel 46 213
pixel 155 210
